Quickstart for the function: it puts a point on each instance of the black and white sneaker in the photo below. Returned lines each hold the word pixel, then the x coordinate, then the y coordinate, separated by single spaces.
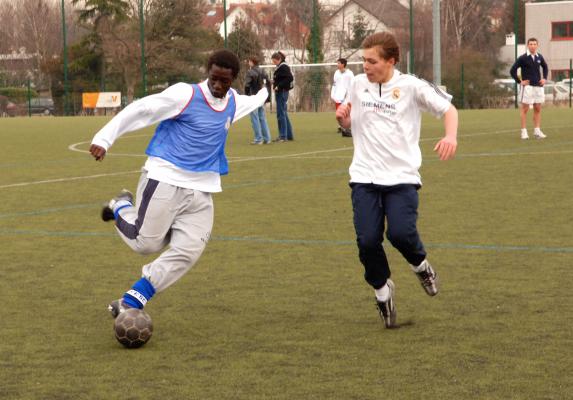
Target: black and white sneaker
pixel 116 307
pixel 107 210
pixel 428 278
pixel 387 309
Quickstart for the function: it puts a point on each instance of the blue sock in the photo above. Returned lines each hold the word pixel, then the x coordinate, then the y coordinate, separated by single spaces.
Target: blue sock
pixel 139 294
pixel 120 206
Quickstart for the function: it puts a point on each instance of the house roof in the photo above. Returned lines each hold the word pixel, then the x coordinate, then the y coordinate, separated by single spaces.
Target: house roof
pixel 262 15
pixel 214 16
pixel 391 12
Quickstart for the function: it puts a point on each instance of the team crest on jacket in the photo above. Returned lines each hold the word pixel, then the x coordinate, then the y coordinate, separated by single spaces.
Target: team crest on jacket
pixel 396 94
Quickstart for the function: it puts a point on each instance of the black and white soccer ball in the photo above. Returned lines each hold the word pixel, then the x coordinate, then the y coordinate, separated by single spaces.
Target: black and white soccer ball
pixel 133 328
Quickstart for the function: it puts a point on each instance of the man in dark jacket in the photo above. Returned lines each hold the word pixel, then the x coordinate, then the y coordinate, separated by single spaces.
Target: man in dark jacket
pixel 282 82
pixel 255 80
pixel 532 93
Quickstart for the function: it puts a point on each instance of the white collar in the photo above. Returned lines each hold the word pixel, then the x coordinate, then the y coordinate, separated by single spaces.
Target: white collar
pixel 209 96
pixel 395 75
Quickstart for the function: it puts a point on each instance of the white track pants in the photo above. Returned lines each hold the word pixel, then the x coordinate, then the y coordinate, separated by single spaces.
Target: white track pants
pixel 167 215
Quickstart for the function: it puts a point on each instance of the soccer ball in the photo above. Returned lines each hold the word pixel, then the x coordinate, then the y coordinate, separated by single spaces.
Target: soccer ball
pixel 133 328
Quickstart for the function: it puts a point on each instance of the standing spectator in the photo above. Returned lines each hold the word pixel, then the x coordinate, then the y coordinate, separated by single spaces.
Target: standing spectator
pixel 385 109
pixel 257 79
pixel 283 81
pixel 531 86
pixel 340 85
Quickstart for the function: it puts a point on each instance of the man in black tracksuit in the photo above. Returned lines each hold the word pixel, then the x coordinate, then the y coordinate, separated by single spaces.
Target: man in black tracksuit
pixel 531 81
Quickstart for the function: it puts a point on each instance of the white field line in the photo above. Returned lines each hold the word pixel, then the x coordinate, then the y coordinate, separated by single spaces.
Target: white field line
pixel 73 147
pixel 467 155
pixel 73 178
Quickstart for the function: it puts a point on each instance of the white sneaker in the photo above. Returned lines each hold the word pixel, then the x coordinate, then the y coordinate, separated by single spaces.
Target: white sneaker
pixel 524 134
pixel 428 277
pixel 538 134
pixel 387 309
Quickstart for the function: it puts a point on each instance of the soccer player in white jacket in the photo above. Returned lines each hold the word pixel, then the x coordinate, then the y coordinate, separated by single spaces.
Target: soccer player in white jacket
pixel 186 158
pixel 340 86
pixel 384 109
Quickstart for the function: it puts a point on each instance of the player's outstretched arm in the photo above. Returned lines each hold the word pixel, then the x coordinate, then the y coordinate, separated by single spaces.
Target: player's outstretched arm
pixel 447 146
pixel 343 115
pixel 140 114
pixel 247 104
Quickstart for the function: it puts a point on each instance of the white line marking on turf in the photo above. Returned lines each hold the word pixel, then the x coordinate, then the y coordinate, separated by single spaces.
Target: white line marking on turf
pixel 516 153
pixel 318 242
pixel 73 178
pixel 73 147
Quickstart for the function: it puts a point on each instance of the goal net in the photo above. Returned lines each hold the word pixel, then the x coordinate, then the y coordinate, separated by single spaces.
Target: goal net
pixel 312 84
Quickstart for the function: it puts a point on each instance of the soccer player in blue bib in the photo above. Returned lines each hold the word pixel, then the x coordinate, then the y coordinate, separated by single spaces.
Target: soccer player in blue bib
pixel 384 108
pixel 186 158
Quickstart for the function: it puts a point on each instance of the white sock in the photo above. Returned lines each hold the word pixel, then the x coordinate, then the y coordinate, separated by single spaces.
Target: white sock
pixel 537 130
pixel 121 204
pixel 523 130
pixel 419 268
pixel 383 293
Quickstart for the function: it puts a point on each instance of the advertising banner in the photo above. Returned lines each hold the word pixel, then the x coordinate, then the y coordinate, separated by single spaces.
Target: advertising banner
pixel 101 100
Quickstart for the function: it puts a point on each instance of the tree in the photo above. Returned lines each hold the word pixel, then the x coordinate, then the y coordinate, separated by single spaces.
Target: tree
pixel 294 18
pixel 359 30
pixel 175 43
pixel 314 79
pixel 85 65
pixel 244 42
pixel 32 27
pixel 423 40
pixel 468 23
pixel 114 24
pixel 508 21
pixel 314 42
pixel 479 74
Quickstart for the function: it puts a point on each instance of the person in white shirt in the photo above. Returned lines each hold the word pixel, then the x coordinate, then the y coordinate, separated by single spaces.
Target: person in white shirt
pixel 384 109
pixel 186 158
pixel 340 85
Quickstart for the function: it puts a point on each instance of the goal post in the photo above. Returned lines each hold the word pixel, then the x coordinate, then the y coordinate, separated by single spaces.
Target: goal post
pixel 312 84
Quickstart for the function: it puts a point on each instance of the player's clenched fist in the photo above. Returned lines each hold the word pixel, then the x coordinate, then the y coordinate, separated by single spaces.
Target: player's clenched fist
pixel 97 152
pixel 343 115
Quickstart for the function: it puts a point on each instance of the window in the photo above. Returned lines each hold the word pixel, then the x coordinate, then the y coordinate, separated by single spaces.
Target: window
pixel 562 30
pixel 559 74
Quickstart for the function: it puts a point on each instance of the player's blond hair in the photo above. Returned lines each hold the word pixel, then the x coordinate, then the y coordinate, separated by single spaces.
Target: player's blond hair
pixel 386 43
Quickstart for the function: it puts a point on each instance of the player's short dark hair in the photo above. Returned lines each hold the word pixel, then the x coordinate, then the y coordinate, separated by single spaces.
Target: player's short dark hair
pixel 225 59
pixel 342 61
pixel 279 55
pixel 532 39
pixel 253 59
pixel 387 45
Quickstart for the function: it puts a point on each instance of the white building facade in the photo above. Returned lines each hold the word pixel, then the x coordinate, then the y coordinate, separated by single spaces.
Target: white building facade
pixel 551 23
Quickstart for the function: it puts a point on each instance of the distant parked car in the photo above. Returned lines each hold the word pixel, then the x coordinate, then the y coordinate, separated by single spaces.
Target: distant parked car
pixel 7 108
pixel 41 105
pixel 506 83
pixel 556 93
pixel 11 109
